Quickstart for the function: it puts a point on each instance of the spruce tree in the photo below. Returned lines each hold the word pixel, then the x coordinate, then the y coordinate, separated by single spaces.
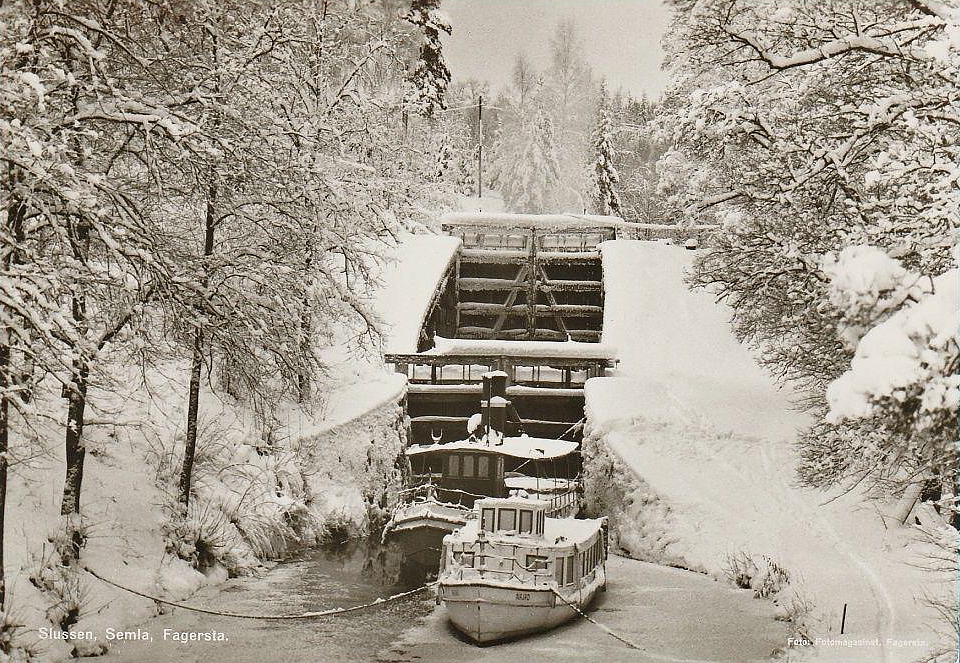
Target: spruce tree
pixel 606 177
pixel 429 77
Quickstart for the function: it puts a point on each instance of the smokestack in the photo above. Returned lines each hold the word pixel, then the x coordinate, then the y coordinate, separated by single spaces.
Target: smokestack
pixel 498 417
pixel 493 407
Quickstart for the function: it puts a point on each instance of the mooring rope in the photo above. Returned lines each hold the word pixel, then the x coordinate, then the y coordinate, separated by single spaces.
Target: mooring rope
pixel 605 629
pixel 239 615
pixel 573 428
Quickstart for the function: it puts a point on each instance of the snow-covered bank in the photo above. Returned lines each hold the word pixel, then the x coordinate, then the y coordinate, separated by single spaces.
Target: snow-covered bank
pixel 710 442
pixel 409 283
pixel 257 490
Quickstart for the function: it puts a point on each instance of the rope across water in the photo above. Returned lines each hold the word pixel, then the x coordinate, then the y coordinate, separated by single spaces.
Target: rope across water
pixel 332 611
pixel 238 615
pixel 602 627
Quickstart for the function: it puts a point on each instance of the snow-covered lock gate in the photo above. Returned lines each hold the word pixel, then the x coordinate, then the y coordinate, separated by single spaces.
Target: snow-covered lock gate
pixel 519 290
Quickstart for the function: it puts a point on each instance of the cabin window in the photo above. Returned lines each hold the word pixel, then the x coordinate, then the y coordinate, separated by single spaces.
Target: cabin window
pixel 500 467
pixel 487 524
pixel 568 572
pixel 483 466
pixel 468 465
pixel 526 521
pixel 536 563
pixel 559 570
pixel 463 558
pixel 508 519
pixel 453 467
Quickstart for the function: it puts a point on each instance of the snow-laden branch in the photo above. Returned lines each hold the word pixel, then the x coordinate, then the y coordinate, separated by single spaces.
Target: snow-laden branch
pixel 846 44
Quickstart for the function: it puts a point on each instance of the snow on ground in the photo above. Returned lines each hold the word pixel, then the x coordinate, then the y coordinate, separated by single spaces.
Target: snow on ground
pixel 409 282
pixel 491 201
pixel 710 439
pixel 357 431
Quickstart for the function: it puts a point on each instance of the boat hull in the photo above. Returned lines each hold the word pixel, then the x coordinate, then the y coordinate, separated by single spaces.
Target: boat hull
pixel 488 613
pixel 421 542
pixel 419 529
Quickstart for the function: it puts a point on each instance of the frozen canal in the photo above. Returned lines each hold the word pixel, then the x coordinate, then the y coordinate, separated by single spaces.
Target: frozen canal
pixel 317 580
pixel 674 615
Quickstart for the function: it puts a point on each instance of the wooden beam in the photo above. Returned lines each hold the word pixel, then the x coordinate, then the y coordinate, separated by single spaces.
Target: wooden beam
pixel 541 334
pixel 424 359
pixel 552 300
pixel 471 284
pixel 562 285
pixel 438 419
pixel 569 310
pixel 532 287
pixel 511 298
pixel 477 284
pixel 497 257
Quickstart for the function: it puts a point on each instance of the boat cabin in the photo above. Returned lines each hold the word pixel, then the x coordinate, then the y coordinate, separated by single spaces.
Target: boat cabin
pixel 514 539
pixel 469 469
pixel 513 516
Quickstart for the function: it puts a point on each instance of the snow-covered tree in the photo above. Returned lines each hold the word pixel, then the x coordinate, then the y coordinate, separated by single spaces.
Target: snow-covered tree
pixel 606 177
pixel 804 129
pixel 163 198
pixel 429 77
pixel 903 379
pixel 86 253
pixel 527 167
pixel 569 94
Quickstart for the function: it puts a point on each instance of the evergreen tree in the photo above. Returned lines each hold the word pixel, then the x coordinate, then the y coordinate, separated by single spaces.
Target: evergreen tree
pixel 429 78
pixel 528 170
pixel 606 178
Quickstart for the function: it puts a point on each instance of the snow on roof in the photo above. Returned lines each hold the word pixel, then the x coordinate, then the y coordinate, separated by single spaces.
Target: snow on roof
pixel 539 485
pixel 535 448
pixel 485 348
pixel 409 283
pixel 548 221
pixel 477 388
pixel 567 531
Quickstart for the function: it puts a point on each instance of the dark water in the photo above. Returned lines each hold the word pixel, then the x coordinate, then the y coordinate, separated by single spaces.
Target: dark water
pixel 315 579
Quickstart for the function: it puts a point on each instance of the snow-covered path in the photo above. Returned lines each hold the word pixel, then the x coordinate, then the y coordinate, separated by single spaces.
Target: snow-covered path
pixel 692 414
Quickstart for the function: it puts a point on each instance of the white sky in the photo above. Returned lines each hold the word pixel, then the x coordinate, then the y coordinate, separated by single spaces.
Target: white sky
pixel 621 38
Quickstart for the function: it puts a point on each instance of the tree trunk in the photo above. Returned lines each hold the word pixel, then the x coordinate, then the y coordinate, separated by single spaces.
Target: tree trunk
pixel 14 219
pixel 75 453
pixel 193 406
pixel 4 439
pixel 193 398
pixel 907 501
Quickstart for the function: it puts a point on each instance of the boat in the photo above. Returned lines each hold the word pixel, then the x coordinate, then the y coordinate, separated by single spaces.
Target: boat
pixel 512 570
pixel 445 479
pixel 453 476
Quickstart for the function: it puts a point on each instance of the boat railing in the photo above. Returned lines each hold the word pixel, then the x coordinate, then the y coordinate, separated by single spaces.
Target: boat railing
pixel 430 491
pixel 561 505
pixel 509 566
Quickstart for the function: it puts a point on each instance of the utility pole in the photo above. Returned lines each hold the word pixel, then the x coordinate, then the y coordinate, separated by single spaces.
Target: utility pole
pixel 480 147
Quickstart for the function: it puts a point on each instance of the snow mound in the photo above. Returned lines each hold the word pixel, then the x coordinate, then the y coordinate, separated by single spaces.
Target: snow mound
pixel 409 282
